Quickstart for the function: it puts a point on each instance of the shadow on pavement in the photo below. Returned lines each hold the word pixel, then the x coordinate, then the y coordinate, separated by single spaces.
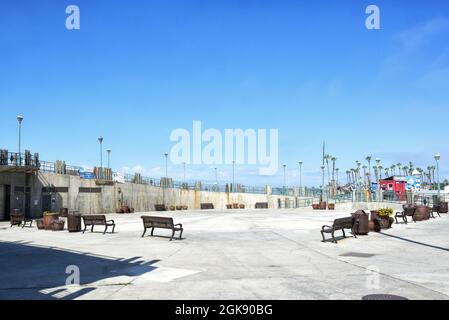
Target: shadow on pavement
pixel 29 271
pixel 415 242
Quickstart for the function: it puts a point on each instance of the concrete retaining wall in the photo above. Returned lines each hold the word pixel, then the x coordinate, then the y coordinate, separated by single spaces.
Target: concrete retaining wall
pixel 111 197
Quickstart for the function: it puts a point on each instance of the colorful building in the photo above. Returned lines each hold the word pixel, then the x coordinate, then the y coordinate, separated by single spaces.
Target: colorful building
pixel 394 184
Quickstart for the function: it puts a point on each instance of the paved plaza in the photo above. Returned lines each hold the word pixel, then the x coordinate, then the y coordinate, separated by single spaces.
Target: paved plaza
pixel 246 254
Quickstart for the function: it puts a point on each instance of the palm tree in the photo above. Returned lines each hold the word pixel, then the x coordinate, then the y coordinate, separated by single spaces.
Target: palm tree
pixel 429 174
pixel 399 165
pixel 380 172
pixel 348 176
pixel 334 159
pixel 405 168
pixel 327 157
pixel 433 176
pixel 337 170
pixel 410 164
pixel 393 169
pixel 368 158
pixel 364 174
pixel 387 171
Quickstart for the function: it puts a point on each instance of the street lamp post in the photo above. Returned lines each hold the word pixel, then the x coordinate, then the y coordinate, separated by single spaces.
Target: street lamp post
pixel 378 178
pixel 19 120
pixel 233 175
pixel 184 168
pixel 437 159
pixel 166 164
pixel 322 183
pixel 100 139
pixel 109 157
pixel 300 177
pixel 285 179
pixel 216 178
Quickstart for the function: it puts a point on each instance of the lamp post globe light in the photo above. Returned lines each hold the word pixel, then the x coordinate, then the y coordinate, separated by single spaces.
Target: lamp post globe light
pixel 19 120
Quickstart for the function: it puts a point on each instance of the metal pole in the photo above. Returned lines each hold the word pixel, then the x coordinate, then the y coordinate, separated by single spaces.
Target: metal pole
pixel 109 158
pixel 166 164
pixel 20 119
pixel 233 175
pixel 101 157
pixel 437 159
pixel 285 180
pixel 300 176
pixel 184 165
pixel 322 183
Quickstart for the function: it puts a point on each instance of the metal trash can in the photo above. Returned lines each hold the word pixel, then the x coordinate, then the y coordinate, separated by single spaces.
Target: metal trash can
pixel 74 221
pixel 443 207
pixel 362 222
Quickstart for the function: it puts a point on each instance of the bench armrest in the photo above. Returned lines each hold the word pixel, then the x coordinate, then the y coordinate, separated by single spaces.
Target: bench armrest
pixel 326 226
pixel 110 221
pixel 178 224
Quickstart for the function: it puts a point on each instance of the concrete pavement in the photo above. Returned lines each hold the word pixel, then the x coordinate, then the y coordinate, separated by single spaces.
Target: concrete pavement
pixel 246 254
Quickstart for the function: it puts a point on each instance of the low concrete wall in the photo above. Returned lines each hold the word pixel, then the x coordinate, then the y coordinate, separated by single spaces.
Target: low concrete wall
pixel 141 197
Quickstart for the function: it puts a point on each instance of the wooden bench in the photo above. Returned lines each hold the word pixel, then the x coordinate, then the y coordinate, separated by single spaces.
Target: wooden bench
pixel 339 224
pixel 18 219
pixel 161 223
pixel 97 220
pixel 261 205
pixel 435 209
pixel 207 206
pixel 408 211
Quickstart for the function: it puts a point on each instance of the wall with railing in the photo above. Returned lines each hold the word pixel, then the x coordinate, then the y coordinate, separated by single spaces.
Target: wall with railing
pixel 309 194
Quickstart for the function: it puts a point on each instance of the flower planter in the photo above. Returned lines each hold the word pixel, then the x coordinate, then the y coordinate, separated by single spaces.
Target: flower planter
pixel 125 209
pixel 229 206
pixel 172 208
pixel 422 213
pixel 185 208
pixel 235 206
pixel 323 205
pixel 331 206
pixel 49 218
pixel 58 225
pixel 242 206
pixel 178 208
pixel 315 206
pixel 40 224
pixel 385 222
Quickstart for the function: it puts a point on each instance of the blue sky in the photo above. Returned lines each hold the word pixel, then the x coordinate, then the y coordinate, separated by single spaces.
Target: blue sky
pixel 136 70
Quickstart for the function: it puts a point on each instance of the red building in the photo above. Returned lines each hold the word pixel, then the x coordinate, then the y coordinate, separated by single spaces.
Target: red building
pixel 395 184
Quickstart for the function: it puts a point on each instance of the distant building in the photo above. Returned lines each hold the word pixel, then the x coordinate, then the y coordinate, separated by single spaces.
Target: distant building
pixel 394 184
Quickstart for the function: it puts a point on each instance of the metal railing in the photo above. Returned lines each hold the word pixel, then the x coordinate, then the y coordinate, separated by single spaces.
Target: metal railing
pixel 306 194
pixel 19 159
